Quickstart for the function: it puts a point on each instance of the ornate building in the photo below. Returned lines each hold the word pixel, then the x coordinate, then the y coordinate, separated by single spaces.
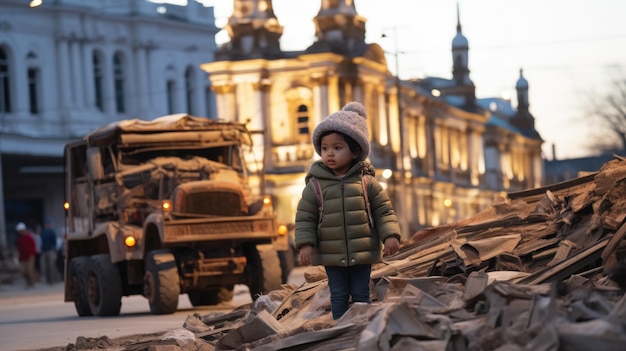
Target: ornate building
pixel 442 153
pixel 70 66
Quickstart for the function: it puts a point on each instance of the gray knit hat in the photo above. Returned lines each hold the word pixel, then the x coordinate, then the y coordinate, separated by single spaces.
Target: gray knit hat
pixel 351 121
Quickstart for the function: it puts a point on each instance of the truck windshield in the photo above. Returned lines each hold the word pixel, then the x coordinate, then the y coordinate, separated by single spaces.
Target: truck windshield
pixel 229 155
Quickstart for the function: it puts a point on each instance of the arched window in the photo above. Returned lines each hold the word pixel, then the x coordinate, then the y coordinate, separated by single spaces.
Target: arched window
pixel 118 81
pixel 98 80
pixel 172 101
pixel 304 135
pixel 33 89
pixel 189 90
pixel 34 83
pixel 5 80
pixel 171 96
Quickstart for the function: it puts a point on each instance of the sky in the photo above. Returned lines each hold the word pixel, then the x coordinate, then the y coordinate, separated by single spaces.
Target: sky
pixel 570 51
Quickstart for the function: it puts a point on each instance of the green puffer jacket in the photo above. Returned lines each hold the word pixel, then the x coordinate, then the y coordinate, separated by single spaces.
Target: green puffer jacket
pixel 343 237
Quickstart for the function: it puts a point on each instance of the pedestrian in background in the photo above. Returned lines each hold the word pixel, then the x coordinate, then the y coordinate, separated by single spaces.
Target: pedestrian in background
pixel 49 252
pixel 27 251
pixel 37 236
pixel 334 226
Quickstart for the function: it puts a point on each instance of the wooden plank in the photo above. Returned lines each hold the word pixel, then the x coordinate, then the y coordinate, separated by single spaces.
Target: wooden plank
pixel 568 184
pixel 398 266
pixel 613 243
pixel 567 267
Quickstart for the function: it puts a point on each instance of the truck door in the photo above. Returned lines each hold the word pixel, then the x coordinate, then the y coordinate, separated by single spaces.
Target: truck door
pixel 77 192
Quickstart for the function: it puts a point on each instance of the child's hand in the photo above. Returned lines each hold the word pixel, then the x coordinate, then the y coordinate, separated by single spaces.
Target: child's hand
pixel 306 255
pixel 392 245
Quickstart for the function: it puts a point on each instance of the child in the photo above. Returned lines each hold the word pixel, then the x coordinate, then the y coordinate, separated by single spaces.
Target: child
pixel 342 240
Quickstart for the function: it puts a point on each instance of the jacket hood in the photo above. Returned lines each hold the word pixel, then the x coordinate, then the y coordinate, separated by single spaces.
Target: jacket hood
pixel 320 171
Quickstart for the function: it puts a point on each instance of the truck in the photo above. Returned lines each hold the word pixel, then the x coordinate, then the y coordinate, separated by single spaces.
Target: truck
pixel 167 207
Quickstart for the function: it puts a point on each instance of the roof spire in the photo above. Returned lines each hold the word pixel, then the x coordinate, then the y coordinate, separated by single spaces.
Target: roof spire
pixel 458 18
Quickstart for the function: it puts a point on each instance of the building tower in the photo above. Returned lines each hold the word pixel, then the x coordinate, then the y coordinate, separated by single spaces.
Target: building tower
pixel 460 54
pixel 463 86
pixel 523 119
pixel 338 28
pixel 254 31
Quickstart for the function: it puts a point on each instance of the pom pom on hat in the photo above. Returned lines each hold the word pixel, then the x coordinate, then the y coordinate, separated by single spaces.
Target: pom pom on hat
pixel 351 121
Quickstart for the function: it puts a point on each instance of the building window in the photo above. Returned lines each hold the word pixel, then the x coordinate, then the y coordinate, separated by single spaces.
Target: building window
pixel 304 135
pixel 118 79
pixel 208 97
pixel 98 80
pixel 171 92
pixel 189 90
pixel 413 133
pixel 33 90
pixel 5 86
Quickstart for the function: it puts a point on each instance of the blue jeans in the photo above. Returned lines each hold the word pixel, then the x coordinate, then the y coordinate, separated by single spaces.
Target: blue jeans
pixel 346 282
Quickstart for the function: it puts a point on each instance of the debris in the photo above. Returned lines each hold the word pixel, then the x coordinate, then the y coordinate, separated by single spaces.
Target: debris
pixel 538 270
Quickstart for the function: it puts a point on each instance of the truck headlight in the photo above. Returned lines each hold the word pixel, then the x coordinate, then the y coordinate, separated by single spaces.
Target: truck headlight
pixel 130 241
pixel 166 205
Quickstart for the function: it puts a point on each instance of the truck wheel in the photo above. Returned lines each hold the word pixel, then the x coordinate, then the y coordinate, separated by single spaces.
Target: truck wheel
pixel 161 285
pixel 263 270
pixel 210 297
pixel 78 279
pixel 104 286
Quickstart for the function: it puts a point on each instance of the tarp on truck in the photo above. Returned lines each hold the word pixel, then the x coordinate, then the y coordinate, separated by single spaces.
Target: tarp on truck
pixel 177 122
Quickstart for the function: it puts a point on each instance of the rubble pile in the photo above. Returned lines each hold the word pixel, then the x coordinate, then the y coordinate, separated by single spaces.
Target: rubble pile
pixel 542 269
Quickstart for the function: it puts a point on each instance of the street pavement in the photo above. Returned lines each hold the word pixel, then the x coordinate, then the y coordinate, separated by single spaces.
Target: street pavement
pixel 17 288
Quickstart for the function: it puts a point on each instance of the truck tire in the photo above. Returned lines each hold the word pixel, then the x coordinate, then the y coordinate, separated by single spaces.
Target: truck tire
pixel 161 284
pixel 210 297
pixel 78 279
pixel 104 286
pixel 263 270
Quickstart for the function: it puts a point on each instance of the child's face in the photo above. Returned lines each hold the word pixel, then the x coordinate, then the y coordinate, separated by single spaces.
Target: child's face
pixel 336 154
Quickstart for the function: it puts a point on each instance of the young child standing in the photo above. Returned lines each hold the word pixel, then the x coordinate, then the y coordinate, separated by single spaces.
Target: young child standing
pixel 338 233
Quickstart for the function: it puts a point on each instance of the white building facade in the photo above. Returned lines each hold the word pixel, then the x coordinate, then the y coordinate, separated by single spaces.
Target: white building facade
pixel 70 66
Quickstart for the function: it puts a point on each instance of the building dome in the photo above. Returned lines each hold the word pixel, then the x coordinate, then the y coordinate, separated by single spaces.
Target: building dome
pixel 460 41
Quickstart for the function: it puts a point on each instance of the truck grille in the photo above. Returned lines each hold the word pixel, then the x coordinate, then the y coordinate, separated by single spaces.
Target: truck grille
pixel 213 203
pixel 212 230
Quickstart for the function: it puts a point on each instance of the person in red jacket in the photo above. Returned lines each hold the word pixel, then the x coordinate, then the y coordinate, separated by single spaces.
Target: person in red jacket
pixel 27 251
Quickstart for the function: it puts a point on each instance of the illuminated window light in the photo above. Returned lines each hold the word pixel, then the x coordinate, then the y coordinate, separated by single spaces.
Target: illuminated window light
pixel 387 173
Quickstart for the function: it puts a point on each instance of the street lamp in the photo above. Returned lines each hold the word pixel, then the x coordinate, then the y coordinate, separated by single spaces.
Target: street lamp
pixel 396 54
pixel 401 165
pixel 3 223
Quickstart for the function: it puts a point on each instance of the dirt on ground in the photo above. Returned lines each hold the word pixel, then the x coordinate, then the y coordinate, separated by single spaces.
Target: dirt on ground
pixel 130 342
